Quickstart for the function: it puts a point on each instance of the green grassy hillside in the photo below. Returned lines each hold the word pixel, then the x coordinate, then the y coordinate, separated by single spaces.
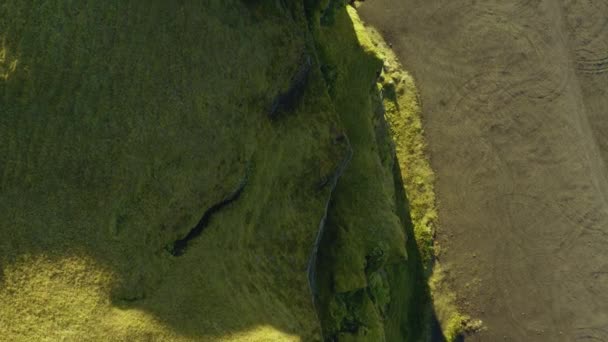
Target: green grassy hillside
pixel 236 130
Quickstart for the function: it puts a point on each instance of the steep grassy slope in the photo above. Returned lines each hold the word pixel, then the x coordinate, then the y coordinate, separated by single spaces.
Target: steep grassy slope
pixel 165 169
pixel 121 125
pixel 372 277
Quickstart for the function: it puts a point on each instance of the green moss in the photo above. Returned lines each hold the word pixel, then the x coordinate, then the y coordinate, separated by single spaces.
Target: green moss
pixel 401 101
pixel 451 320
pixel 380 291
pixel 403 112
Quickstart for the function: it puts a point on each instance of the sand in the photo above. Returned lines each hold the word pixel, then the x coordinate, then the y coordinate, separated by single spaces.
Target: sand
pixel 515 106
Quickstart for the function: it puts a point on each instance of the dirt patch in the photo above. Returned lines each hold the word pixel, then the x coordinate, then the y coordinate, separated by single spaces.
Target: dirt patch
pixel 514 99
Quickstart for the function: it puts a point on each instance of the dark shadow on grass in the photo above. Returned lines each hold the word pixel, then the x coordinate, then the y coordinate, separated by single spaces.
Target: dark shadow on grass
pixel 419 273
pixel 410 315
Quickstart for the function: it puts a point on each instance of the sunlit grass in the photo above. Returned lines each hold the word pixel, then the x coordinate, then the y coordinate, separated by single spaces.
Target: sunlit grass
pixel 403 112
pixel 262 333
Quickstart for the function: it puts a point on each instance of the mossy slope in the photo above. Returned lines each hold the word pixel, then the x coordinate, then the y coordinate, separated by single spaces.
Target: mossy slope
pixel 372 276
pixel 121 124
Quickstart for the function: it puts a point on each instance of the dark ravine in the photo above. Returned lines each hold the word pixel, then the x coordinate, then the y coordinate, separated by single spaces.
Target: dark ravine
pixel 312 263
pixel 178 248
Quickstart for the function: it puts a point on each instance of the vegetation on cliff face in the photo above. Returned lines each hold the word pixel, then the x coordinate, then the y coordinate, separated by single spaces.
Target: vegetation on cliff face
pixel 403 113
pixel 373 275
pixel 129 129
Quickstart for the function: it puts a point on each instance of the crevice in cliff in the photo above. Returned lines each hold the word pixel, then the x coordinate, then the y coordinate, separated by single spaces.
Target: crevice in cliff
pixel 288 100
pixel 179 246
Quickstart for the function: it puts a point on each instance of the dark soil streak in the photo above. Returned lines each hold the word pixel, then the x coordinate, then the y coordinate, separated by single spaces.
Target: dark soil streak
pixel 287 101
pixel 180 245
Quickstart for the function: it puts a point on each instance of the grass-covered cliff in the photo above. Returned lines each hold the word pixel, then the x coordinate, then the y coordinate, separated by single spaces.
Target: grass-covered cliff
pixel 217 170
pixel 372 275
